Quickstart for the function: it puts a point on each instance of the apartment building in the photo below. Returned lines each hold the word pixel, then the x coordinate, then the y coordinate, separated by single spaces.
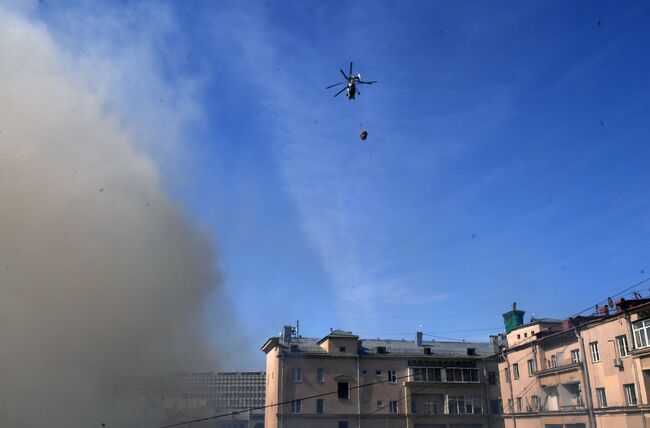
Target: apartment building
pixel 154 400
pixel 579 372
pixel 342 381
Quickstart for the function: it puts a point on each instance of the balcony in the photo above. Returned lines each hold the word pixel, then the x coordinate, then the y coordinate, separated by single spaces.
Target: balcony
pixel 565 366
pixel 564 397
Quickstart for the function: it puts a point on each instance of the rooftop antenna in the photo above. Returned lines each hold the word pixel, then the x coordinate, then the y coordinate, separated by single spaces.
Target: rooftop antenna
pixel 637 295
pixel 298 328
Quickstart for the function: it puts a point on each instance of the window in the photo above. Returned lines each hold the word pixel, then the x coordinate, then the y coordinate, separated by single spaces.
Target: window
pixel 319 406
pixel 621 345
pixel 641 335
pixel 535 401
pixel 377 372
pixel 425 374
pixel 532 367
pixel 392 377
pixel 510 406
pixel 464 404
pixel 525 335
pixel 515 371
pixel 364 372
pixel 343 424
pixel 630 394
pixel 602 399
pixel 471 352
pixel 380 404
pixel 342 349
pixel 431 408
pixel 392 408
pixel 344 390
pixel 575 356
pixel 295 406
pixel 320 375
pixel 494 407
pixel 461 375
pixel 506 374
pixel 296 374
pixel 519 404
pixel 554 360
pixel 381 349
pixel 595 352
pixel 492 378
pixel 414 407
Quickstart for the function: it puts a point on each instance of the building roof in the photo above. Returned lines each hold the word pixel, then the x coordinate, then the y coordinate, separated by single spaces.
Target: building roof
pixel 388 347
pixel 339 334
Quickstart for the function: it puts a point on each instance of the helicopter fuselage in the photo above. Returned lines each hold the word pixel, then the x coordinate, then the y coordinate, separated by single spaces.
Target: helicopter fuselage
pixel 352 90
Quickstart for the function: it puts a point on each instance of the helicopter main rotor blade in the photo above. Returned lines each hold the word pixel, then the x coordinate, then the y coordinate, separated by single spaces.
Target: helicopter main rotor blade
pixel 336 84
pixel 350 69
pixel 367 83
pixel 343 73
pixel 339 92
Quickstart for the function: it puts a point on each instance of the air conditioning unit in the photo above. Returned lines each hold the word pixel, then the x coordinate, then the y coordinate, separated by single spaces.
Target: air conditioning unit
pixel 618 363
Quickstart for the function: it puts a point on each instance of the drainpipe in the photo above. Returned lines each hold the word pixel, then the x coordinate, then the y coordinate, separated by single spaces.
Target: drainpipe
pixel 636 371
pixel 585 378
pixel 359 388
pixel 281 407
pixel 487 394
pixel 512 396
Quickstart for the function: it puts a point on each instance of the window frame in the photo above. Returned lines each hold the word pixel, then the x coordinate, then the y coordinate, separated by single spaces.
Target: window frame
pixel 640 330
pixel 622 340
pixel 532 367
pixel 631 398
pixel 320 406
pixel 575 356
pixel 601 397
pixel 594 348
pixel 461 403
pixel 535 403
pixel 392 376
pixel 393 407
pixel 515 371
pixel 320 375
pixel 296 407
pixel 296 374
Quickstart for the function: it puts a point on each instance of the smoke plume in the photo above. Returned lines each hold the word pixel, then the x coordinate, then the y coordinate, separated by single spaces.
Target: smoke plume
pixel 101 275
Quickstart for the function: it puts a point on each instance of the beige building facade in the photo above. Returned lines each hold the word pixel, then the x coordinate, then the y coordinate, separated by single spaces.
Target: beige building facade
pixel 579 372
pixel 342 381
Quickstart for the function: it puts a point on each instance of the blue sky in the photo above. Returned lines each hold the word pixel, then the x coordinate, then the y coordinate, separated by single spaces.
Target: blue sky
pixel 506 159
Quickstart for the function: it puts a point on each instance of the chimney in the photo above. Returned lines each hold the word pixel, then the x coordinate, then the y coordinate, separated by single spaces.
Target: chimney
pixel 494 341
pixel 513 318
pixel 418 338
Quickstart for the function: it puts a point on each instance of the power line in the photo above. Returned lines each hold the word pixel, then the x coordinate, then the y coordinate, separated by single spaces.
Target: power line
pixel 383 381
pixel 309 397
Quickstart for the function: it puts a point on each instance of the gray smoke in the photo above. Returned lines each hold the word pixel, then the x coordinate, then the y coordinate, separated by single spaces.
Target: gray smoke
pixel 101 275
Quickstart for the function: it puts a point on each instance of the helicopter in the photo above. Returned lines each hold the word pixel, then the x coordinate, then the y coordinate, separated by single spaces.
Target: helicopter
pixel 351 83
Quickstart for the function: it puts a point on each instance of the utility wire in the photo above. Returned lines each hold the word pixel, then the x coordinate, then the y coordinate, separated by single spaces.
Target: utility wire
pixel 310 397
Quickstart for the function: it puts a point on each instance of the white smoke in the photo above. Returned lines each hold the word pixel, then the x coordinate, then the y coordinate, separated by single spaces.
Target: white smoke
pixel 100 273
